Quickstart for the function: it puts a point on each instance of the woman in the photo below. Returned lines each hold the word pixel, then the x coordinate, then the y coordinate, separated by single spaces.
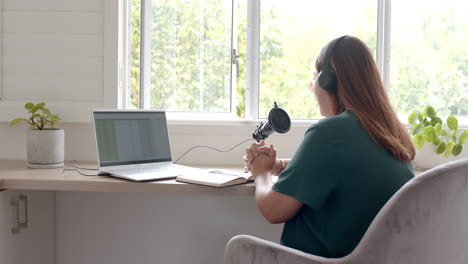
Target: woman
pixel 348 165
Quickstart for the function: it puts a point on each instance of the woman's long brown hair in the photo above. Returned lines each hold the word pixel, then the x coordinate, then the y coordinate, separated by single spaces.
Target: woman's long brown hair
pixel 360 89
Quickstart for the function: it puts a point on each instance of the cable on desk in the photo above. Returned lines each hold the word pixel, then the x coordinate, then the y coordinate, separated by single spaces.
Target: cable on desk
pixel 81 168
pixel 74 168
pixel 190 149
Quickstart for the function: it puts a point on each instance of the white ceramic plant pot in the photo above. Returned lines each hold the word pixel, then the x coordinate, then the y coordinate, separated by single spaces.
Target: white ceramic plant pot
pixel 426 158
pixel 46 148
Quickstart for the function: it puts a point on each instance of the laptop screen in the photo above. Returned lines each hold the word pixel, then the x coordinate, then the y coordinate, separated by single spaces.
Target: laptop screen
pixel 131 137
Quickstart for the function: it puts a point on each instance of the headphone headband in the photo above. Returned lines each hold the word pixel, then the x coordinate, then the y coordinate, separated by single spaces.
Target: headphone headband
pixel 327 78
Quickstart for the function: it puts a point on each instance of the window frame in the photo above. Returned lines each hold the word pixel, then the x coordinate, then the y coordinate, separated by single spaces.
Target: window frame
pixel 383 40
pixel 145 54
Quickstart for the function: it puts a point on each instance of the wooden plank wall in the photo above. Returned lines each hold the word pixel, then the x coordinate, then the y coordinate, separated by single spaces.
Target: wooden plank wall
pixel 53 50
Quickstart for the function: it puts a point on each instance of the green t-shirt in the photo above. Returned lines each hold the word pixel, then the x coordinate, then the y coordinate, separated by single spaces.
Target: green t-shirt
pixel 344 179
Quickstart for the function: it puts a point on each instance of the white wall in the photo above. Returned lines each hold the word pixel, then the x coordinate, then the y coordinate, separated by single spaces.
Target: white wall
pixel 52 50
pixel 62 52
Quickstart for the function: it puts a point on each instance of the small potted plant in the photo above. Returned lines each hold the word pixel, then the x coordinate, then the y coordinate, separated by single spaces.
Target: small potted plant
pixel 45 143
pixel 436 141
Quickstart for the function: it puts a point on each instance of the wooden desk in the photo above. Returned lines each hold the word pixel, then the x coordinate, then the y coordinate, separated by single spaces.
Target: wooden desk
pixel 15 175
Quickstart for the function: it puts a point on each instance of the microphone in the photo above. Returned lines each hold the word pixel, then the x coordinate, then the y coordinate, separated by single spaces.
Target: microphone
pixel 278 120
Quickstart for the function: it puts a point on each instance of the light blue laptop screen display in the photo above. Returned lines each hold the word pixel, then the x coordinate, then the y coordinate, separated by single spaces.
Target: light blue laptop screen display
pixel 131 137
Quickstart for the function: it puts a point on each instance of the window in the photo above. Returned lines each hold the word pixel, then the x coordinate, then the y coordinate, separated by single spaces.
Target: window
pixel 187 47
pixel 429 60
pixel 238 56
pixel 292 33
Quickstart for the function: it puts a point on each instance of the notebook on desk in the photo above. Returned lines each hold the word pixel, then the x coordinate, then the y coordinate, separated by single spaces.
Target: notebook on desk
pixel 216 177
pixel 134 145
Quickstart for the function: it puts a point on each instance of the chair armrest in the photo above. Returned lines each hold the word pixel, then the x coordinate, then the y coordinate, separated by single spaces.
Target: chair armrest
pixel 243 249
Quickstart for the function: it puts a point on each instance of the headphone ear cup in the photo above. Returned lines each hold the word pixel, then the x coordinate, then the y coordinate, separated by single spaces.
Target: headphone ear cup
pixel 323 80
pixel 327 81
pixel 332 82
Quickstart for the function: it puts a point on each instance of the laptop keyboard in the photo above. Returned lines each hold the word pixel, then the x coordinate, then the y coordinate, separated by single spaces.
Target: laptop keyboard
pixel 173 169
pixel 154 170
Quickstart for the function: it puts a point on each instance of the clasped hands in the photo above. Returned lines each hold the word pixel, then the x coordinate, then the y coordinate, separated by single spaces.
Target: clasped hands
pixel 260 159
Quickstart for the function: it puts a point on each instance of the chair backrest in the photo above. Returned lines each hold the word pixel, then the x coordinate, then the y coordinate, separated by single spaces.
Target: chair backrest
pixel 426 221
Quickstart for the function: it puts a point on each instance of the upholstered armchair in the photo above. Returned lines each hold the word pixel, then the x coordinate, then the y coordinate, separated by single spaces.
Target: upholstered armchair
pixel 425 222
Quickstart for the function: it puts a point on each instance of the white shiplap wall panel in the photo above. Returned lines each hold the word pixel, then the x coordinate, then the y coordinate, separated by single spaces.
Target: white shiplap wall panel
pixel 53 5
pixel 89 67
pixel 53 46
pixel 53 51
pixel 44 88
pixel 43 22
pixel 27 78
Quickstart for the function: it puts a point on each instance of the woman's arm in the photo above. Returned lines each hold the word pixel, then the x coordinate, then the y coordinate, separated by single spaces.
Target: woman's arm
pixel 279 166
pixel 274 206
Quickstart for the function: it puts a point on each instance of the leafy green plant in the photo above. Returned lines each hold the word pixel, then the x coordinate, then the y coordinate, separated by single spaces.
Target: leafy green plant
pixel 46 120
pixel 426 126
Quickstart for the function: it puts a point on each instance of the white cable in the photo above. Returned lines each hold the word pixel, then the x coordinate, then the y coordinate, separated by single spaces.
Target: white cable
pixel 211 148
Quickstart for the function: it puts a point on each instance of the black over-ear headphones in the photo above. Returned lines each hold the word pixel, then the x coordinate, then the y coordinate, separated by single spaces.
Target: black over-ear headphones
pixel 327 77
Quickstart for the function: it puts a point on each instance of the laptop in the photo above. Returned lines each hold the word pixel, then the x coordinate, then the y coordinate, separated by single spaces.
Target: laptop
pixel 134 145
